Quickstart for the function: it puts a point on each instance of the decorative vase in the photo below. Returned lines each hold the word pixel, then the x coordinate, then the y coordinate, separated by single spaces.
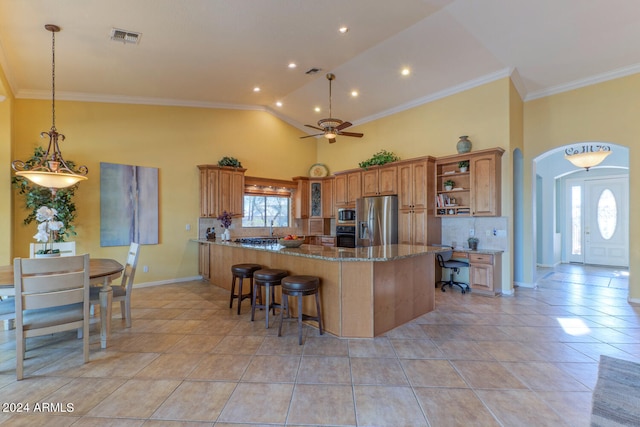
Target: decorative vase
pixel 464 145
pixel 448 187
pixel 53 255
pixel 227 235
pixel 463 169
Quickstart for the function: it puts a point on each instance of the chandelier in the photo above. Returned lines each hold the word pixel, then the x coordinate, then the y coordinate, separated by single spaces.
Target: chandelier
pixel 587 156
pixel 51 171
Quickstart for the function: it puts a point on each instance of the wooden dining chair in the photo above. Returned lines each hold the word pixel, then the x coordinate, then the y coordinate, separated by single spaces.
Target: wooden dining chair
pixel 51 295
pixel 122 292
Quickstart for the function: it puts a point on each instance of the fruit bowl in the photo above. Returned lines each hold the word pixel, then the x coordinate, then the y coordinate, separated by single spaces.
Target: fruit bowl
pixel 292 243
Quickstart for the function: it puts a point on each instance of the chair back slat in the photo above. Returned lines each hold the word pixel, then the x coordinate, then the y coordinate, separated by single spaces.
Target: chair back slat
pixel 50 265
pixel 52 282
pixel 52 299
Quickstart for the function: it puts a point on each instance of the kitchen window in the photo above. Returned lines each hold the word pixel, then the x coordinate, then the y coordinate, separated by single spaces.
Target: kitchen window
pixel 265 201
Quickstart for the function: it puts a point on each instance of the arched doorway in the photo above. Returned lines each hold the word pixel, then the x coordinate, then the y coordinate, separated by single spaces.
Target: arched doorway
pixel 576 213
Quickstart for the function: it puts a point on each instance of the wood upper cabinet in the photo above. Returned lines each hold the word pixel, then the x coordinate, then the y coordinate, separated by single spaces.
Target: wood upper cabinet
pixel 476 190
pixel 380 181
pixel 348 188
pixel 328 210
pixel 221 189
pixel 302 197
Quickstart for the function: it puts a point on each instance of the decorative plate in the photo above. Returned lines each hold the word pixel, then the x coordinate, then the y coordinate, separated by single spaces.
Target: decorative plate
pixel 318 170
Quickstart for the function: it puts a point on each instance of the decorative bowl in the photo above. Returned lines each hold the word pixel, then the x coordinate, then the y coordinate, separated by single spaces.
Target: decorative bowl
pixel 294 243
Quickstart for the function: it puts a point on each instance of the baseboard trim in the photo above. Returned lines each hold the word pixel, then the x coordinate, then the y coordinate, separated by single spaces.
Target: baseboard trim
pixel 166 282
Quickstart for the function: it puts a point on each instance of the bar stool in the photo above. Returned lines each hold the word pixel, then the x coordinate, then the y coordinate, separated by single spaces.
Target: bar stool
pixel 299 286
pixel 241 272
pixel 269 278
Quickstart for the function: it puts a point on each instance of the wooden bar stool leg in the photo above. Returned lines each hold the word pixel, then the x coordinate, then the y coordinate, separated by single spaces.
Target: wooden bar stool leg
pixel 241 279
pixel 233 288
pixel 253 300
pixel 285 308
pixel 319 313
pixel 267 303
pixel 300 319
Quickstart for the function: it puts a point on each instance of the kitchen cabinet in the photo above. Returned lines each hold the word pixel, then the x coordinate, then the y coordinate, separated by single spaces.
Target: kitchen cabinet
pixel 302 201
pixel 328 206
pixel 379 181
pixel 348 188
pixel 485 273
pixel 417 224
pixel 476 189
pixel 221 189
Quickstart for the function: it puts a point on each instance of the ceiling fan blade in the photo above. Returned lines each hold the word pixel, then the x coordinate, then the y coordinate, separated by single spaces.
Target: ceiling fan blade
pixel 344 125
pixel 332 140
pixel 314 127
pixel 309 136
pixel 357 135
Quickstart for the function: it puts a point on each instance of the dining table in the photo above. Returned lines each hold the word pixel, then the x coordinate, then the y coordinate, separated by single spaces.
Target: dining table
pixel 102 271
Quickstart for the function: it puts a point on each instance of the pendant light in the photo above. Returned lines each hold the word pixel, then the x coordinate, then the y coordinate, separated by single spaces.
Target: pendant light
pixel 587 156
pixel 52 171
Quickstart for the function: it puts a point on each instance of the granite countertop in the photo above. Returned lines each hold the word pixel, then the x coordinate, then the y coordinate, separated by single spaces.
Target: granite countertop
pixel 373 253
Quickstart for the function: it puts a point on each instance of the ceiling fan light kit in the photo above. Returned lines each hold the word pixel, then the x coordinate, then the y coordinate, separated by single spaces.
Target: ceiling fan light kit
pixel 332 127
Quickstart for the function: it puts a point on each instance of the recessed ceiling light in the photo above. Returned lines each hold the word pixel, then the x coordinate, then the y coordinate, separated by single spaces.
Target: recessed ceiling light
pixel 344 29
pixel 317 109
pixel 405 71
pixel 279 103
pixel 292 65
pixel 354 93
pixel 256 89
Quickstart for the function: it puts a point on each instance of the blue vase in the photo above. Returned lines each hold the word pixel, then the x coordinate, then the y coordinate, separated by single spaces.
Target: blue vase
pixel 464 145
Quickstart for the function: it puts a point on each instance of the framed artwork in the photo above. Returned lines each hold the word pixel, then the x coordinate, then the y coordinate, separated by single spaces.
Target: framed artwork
pixel 128 205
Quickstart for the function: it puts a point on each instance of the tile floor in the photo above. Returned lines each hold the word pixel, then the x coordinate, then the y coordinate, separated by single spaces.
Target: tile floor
pixel 523 360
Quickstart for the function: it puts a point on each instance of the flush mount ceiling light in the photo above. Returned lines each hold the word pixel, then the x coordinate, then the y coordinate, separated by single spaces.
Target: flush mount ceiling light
pixel 52 171
pixel 587 156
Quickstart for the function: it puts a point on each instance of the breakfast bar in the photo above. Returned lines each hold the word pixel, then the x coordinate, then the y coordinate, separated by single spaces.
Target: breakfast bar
pixel 365 292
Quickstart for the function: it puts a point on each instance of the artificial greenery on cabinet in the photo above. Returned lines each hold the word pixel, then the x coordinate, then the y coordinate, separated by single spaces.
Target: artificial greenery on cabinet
pixel 36 196
pixel 382 157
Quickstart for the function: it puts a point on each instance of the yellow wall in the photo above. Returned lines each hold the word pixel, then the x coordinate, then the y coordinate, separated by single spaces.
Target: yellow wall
pixel 6 218
pixel 173 139
pixel 606 112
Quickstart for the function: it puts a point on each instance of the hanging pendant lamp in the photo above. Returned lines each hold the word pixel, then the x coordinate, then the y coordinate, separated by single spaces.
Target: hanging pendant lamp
pixel 52 171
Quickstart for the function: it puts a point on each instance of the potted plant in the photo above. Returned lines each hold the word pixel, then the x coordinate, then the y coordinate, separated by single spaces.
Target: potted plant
pixel 463 165
pixel 448 185
pixel 382 157
pixel 473 243
pixel 229 161
pixel 36 196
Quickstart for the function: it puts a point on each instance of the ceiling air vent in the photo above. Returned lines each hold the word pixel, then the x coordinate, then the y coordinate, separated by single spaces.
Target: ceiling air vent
pixel 125 36
pixel 312 70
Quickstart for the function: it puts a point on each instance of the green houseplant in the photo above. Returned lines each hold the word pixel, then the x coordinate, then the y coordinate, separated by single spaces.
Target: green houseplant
pixel 473 243
pixel 448 184
pixel 463 165
pixel 36 197
pixel 229 161
pixel 380 158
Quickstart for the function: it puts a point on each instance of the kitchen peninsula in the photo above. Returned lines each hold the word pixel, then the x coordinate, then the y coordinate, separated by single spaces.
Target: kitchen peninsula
pixel 365 292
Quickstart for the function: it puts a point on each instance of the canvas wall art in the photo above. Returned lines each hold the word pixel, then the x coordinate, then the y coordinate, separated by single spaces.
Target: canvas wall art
pixel 128 205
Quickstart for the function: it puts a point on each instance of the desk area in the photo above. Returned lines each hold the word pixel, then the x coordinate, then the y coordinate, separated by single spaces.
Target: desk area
pixel 101 272
pixel 485 270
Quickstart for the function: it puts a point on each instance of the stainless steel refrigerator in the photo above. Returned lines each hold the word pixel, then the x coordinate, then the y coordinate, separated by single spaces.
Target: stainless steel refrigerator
pixel 377 221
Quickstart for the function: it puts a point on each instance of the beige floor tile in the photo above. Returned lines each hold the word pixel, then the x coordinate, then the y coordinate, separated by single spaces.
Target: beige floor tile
pixel 408 330
pixel 107 422
pixel 179 326
pixel 585 373
pixel 542 376
pixel 216 326
pixel 481 374
pixel 117 364
pixel 37 420
pixel 238 344
pixel 326 345
pixel 281 345
pixel 150 343
pixel 196 401
pixel 163 313
pixel 221 367
pixel 416 349
pixel 84 393
pixel 322 405
pixel 324 370
pixel 378 371
pixel 454 407
pixel 258 403
pixel 574 407
pixel 277 369
pixel 377 347
pixel 196 344
pixel 532 411
pixel 170 366
pixel 122 404
pixel 432 373
pixel 400 408
pixel 467 350
pixel 31 389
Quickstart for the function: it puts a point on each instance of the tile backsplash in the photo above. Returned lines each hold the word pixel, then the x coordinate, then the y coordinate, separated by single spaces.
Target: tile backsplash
pixel 490 231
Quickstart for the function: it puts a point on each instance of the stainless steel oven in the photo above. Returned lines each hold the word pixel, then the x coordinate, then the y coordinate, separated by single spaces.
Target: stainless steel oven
pixel 346 236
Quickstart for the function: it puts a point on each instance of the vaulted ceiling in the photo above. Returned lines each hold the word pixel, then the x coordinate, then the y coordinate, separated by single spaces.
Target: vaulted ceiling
pixel 213 53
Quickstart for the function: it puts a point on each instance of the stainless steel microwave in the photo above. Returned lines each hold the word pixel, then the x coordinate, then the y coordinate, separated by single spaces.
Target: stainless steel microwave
pixel 346 216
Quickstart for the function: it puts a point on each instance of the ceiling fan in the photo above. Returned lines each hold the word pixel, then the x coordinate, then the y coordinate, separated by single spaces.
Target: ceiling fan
pixel 332 127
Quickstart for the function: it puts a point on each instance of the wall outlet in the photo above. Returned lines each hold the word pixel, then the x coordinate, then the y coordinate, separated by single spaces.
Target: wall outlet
pixel 472 232
pixel 145 269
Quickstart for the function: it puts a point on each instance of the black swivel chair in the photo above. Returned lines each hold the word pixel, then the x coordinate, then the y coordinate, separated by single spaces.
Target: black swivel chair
pixel 445 261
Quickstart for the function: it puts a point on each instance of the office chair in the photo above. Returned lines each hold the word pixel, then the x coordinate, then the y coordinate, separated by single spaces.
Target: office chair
pixel 444 260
